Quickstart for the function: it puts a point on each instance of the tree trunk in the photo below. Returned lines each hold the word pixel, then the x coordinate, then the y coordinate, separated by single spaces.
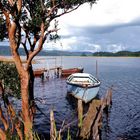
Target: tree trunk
pixel 25 105
pixel 31 85
pixel 31 93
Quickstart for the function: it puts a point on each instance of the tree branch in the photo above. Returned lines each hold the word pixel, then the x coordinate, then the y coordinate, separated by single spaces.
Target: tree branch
pixel 11 2
pixel 25 48
pixel 34 43
pixel 40 45
pixel 6 14
pixel 67 11
pixel 52 9
pixel 19 6
pixel 2 135
pixel 18 129
pixel 14 47
pixel 4 121
pixel 15 122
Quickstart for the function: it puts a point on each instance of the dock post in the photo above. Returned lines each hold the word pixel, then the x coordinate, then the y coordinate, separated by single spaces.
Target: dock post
pixel 58 72
pixel 80 113
pixel 96 69
pixel 90 119
pixel 42 76
pixel 92 123
pixel 53 134
pixel 110 97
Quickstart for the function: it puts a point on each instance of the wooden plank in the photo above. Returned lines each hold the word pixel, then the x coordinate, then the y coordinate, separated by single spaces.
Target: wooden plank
pixel 89 119
pixel 80 112
pixel 93 119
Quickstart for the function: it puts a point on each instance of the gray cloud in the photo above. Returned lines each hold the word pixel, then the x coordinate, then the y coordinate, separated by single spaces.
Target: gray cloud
pixel 110 38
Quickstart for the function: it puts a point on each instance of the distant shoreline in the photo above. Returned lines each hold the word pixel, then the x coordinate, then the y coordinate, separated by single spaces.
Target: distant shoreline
pixel 10 58
pixel 5 51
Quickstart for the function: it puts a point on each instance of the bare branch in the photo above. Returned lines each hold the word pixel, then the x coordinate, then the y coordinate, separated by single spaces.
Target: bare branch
pixel 12 31
pixel 29 40
pixel 11 2
pixel 18 129
pixel 53 9
pixel 19 5
pixel 6 14
pixel 40 45
pixel 50 31
pixel 2 135
pixel 68 11
pixel 53 2
pixel 42 5
pixel 34 43
pixel 25 48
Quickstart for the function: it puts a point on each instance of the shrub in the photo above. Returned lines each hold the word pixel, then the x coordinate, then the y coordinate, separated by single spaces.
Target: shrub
pixel 10 79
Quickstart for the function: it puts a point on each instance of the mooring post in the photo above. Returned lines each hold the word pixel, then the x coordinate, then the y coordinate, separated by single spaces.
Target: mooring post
pixel 42 76
pixel 91 126
pixel 97 125
pixel 108 97
pixel 53 134
pixel 90 119
pixel 96 69
pixel 80 113
pixel 58 72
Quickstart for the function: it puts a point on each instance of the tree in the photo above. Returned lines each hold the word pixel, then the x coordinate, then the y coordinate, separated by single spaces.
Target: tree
pixel 28 21
pixel 3 32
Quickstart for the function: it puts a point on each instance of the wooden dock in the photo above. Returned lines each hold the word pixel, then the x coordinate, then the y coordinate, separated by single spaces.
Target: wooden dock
pixel 92 122
pixel 56 71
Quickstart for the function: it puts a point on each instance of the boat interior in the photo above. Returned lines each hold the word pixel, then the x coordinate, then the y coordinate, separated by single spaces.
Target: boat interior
pixel 82 80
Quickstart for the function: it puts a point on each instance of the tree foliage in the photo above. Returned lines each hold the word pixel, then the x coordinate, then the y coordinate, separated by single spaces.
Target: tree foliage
pixel 35 12
pixel 10 79
pixel 3 32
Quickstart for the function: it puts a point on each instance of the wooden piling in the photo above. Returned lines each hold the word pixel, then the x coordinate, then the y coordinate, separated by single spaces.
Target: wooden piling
pixel 109 97
pixel 96 69
pixel 92 122
pixel 80 113
pixel 53 134
pixel 89 119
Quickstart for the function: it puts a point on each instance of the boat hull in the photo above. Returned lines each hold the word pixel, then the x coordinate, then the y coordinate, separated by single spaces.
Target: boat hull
pixel 39 73
pixel 67 72
pixel 85 94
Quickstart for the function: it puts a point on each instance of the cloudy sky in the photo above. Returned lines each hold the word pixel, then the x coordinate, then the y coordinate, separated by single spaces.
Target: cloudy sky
pixel 111 25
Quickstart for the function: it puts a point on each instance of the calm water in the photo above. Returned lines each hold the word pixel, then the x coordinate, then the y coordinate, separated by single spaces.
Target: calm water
pixel 122 73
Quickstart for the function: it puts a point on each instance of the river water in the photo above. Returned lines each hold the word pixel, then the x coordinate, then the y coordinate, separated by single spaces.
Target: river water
pixel 124 115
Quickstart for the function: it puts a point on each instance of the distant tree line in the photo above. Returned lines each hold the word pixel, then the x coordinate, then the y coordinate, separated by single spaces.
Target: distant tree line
pixel 120 53
pixel 5 51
